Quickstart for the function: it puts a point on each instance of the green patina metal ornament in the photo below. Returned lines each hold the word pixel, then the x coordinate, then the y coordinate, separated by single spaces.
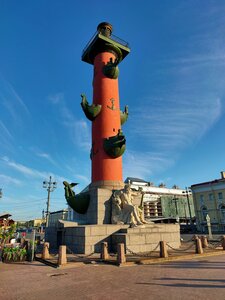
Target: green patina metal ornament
pixel 91 111
pixel 80 202
pixel 124 115
pixel 111 69
pixel 115 146
pixel 93 151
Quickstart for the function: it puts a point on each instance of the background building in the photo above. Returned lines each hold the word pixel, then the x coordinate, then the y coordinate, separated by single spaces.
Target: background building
pixel 5 220
pixel 37 223
pixel 209 198
pixel 162 202
pixel 55 216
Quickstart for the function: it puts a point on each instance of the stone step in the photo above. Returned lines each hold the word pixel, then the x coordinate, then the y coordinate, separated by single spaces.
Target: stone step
pixel 140 239
pixel 148 228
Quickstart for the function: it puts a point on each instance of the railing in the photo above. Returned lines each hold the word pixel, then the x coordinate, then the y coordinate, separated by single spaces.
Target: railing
pixel 111 37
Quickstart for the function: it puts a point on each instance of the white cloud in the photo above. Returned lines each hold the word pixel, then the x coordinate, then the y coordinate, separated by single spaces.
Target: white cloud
pixel 11 100
pixel 7 180
pixel 26 171
pixel 4 131
pixel 84 179
pixel 56 98
pixel 174 126
pixel 20 208
pixel 17 97
pixel 168 130
pixel 78 129
pixel 6 138
pixel 44 155
pixel 144 164
pixel 198 59
pixel 188 102
pixel 30 172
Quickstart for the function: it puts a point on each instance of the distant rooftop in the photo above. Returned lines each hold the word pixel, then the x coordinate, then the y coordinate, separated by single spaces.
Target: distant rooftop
pixel 59 211
pixel 149 187
pixel 222 179
pixel 5 215
pixel 133 179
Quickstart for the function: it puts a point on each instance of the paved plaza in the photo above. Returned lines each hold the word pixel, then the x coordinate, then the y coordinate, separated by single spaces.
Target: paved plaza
pixel 202 278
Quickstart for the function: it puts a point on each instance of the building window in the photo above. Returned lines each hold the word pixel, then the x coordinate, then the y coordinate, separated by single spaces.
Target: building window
pixel 204 213
pixel 222 209
pixel 210 196
pixel 220 195
pixel 201 197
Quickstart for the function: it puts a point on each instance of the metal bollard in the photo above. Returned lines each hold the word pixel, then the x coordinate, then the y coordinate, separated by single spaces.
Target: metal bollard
pixel 163 249
pixel 104 251
pixel 62 260
pixel 45 252
pixel 199 249
pixel 121 258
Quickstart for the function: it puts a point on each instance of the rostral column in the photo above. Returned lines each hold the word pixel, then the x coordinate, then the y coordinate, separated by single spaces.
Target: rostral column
pixel 105 52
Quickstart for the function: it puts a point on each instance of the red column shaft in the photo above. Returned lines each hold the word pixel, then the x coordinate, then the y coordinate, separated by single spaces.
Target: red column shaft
pixel 107 123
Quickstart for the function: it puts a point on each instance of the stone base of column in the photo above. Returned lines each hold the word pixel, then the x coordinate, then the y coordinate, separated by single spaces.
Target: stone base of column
pixel 85 239
pixel 99 210
pixel 108 184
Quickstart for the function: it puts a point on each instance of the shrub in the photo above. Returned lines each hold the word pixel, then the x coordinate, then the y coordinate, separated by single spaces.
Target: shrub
pixel 14 254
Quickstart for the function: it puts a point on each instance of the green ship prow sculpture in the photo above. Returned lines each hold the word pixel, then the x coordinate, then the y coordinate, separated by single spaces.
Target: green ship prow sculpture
pixel 115 146
pixel 91 111
pixel 80 202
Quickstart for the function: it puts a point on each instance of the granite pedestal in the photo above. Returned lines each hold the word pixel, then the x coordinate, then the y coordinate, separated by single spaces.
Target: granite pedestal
pixel 85 239
pixel 89 230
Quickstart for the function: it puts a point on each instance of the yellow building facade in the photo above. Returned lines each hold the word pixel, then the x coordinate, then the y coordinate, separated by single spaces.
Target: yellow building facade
pixel 209 199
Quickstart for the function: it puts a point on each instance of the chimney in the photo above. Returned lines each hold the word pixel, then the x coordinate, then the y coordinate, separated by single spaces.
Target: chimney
pixel 222 174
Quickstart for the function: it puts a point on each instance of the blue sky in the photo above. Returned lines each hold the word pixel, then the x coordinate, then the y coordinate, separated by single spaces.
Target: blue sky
pixel 173 82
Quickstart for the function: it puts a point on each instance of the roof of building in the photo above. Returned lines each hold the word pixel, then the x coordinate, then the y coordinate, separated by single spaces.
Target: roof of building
pixel 222 179
pixel 133 179
pixel 5 215
pixel 59 211
pixel 208 182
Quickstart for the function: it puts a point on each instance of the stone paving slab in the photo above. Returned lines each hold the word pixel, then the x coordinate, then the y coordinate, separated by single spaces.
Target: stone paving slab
pixel 202 277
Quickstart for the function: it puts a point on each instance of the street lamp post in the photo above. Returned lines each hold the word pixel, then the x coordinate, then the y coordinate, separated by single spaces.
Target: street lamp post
pixel 188 192
pixel 185 212
pixel 175 199
pixel 209 226
pixel 50 186
pixel 0 193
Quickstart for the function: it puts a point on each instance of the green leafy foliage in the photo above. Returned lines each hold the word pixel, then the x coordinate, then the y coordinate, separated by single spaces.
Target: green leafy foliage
pixel 14 254
pixel 6 233
pixel 10 253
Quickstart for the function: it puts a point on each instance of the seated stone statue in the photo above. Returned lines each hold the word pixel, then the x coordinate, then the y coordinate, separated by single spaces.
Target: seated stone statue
pixel 123 209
